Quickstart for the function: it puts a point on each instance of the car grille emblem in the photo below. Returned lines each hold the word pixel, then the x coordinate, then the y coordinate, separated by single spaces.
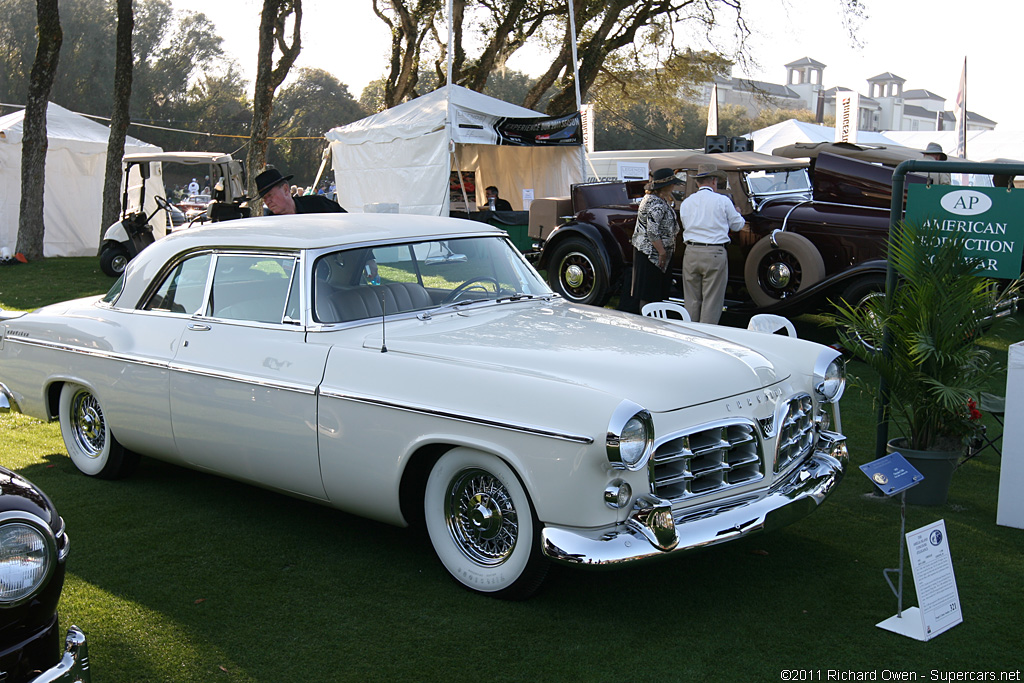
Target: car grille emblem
pixel 767 426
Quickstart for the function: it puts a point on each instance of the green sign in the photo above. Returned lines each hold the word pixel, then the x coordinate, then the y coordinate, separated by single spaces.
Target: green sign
pixel 989 220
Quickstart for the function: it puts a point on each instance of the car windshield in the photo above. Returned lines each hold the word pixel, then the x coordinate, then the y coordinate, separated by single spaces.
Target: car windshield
pixel 763 183
pixel 368 282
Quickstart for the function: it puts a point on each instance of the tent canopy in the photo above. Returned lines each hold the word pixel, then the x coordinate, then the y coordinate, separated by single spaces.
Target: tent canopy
pixel 405 155
pixel 73 191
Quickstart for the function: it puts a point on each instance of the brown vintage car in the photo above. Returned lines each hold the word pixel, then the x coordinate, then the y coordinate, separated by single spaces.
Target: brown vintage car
pixel 804 243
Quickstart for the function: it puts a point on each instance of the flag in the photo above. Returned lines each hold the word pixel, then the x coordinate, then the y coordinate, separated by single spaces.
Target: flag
pixel 961 114
pixel 713 112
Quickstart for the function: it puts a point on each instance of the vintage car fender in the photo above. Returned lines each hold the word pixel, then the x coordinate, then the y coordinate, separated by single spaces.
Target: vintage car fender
pixel 599 238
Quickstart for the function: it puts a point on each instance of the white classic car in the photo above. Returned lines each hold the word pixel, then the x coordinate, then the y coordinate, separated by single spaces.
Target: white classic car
pixel 418 370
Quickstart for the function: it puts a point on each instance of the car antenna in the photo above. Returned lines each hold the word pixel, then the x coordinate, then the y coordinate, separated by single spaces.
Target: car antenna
pixel 383 324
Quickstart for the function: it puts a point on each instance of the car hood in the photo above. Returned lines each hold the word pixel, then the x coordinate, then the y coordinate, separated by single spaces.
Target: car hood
pixel 661 366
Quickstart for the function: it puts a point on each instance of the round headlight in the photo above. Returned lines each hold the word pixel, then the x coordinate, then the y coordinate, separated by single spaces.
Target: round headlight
pixel 830 376
pixel 25 558
pixel 630 435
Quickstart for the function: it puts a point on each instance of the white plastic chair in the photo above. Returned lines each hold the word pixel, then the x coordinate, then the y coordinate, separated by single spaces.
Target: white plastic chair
pixel 661 309
pixel 770 324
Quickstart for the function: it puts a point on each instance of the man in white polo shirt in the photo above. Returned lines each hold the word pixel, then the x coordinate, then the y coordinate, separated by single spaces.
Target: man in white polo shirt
pixel 708 218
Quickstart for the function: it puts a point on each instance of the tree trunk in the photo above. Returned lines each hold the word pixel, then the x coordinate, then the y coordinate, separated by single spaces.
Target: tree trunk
pixel 268 78
pixel 119 118
pixel 33 145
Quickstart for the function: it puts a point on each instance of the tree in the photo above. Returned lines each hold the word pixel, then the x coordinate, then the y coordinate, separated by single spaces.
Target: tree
pixel 644 32
pixel 308 107
pixel 273 22
pixel 119 118
pixel 34 144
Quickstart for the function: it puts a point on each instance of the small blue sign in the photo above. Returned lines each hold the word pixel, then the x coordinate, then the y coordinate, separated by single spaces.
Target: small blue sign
pixel 892 474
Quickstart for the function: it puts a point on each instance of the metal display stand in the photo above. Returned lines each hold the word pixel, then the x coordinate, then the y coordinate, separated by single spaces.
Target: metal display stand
pixel 911 624
pixel 894 475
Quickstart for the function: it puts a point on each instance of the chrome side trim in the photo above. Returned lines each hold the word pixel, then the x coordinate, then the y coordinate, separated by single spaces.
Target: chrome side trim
pixel 460 417
pixel 308 389
pixel 643 537
pixel 97 353
pixel 74 665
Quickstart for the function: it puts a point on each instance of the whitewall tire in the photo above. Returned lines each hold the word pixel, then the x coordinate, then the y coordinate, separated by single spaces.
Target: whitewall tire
pixel 482 525
pixel 91 446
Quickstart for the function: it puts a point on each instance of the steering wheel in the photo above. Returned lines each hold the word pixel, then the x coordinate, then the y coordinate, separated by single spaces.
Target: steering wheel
pixel 162 203
pixel 473 283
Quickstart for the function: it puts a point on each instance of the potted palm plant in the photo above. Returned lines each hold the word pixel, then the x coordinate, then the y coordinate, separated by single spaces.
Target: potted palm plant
pixel 933 365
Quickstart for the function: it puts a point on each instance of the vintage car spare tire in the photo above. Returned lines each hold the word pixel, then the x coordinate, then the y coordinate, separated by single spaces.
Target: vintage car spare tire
pixel 91 446
pixel 576 271
pixel 482 526
pixel 773 273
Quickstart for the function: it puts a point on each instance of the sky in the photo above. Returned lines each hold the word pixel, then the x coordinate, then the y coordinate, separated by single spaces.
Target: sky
pixel 923 41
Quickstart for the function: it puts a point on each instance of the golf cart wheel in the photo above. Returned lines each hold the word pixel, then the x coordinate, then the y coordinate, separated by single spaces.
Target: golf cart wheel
pixel 113 260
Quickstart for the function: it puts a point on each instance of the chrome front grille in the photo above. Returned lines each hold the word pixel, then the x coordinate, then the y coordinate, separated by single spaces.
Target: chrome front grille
pixel 796 431
pixel 710 459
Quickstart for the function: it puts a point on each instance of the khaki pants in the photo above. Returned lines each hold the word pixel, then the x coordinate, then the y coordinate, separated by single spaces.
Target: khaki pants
pixel 705 273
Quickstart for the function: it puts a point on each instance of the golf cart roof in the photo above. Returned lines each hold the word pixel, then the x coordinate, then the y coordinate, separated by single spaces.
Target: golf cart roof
pixel 179 158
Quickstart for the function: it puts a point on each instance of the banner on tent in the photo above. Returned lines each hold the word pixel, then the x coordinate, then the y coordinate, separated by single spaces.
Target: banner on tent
pixel 540 132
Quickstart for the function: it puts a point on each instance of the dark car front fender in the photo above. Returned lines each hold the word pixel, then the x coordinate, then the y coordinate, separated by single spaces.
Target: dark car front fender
pixel 611 255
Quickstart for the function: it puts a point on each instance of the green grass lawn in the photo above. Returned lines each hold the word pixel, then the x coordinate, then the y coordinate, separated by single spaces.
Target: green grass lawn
pixel 176 575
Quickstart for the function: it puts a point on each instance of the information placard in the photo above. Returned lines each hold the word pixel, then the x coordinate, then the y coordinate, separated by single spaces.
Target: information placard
pixel 935 583
pixel 892 474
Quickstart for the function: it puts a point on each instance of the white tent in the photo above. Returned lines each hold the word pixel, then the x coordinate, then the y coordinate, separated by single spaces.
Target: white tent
pixel 406 155
pixel 73 193
pixel 790 131
pixel 982 145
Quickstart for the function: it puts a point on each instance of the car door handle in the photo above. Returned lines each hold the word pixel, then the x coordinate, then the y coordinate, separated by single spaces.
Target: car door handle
pixel 198 327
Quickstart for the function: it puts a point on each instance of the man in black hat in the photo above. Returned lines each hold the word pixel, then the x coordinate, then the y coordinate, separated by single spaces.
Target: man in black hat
pixel 273 189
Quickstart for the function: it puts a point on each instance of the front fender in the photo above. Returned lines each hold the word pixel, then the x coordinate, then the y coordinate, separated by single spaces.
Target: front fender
pixel 610 257
pixel 116 233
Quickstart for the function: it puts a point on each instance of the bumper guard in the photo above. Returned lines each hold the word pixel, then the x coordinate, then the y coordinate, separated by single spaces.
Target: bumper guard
pixel 74 665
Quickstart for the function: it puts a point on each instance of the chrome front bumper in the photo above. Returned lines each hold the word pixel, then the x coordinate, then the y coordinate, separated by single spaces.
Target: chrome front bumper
pixel 654 530
pixel 74 665
pixel 7 402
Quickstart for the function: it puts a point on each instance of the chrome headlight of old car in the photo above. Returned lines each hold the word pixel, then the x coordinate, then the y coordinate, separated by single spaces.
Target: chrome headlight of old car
pixel 830 376
pixel 630 436
pixel 28 553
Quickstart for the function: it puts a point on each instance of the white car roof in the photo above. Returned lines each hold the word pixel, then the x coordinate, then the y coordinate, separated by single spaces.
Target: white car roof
pixel 305 231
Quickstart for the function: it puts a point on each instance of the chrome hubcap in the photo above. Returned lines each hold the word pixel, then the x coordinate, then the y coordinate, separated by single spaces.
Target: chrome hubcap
pixel 87 423
pixel 779 275
pixel 574 276
pixel 481 517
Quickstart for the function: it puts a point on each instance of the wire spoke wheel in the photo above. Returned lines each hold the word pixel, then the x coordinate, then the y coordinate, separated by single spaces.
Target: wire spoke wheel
pixel 482 525
pixel 88 426
pixel 482 517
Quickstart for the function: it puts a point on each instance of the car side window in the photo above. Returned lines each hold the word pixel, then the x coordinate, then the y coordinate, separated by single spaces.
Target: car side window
pixel 251 287
pixel 183 288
